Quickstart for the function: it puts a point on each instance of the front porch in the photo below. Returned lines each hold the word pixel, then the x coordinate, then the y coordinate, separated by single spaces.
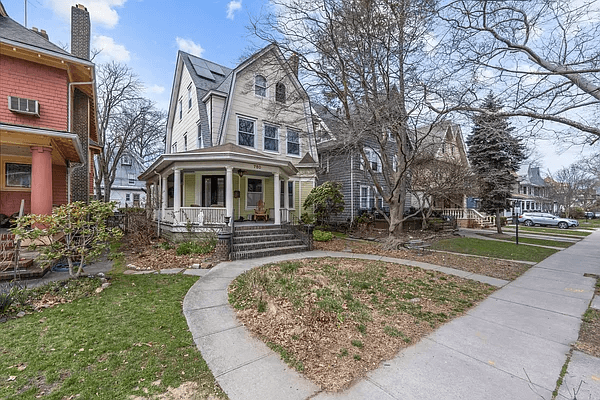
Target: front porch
pixel 202 189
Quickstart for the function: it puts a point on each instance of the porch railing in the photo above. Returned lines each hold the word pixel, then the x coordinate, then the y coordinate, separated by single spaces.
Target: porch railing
pixel 196 215
pixel 202 215
pixel 469 213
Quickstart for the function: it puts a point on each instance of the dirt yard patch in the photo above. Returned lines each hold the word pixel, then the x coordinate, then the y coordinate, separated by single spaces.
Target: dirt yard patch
pixel 336 319
pixel 508 270
pixel 589 333
pixel 162 255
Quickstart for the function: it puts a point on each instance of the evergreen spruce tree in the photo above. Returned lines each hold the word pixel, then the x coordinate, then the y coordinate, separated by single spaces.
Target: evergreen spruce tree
pixel 495 157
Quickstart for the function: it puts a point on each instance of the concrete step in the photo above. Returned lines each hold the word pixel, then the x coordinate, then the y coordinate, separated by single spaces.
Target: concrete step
pixel 267 245
pixel 244 255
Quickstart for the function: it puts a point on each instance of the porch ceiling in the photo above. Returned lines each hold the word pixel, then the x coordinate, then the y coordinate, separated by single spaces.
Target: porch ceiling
pixel 66 144
pixel 220 157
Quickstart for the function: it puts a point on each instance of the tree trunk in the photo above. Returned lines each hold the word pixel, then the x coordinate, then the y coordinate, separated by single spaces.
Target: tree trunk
pixel 498 222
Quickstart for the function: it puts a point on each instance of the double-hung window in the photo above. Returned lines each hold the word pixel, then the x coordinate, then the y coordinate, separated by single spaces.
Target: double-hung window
pixel 131 179
pixel 180 109
pixel 245 132
pixel 199 143
pixel 185 142
pixel 174 148
pixel 189 98
pixel 365 197
pixel 260 86
pixel 293 142
pixel 271 139
pixel 373 158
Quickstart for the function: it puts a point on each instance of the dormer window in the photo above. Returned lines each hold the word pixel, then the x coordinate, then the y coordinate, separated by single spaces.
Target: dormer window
pixel 260 86
pixel 280 92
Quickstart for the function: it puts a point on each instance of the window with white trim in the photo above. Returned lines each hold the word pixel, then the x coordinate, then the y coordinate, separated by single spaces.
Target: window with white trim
pixel 374 160
pixel 131 179
pixel 390 135
pixel 174 148
pixel 395 163
pixel 185 142
pixel 260 86
pixel 127 197
pixel 180 109
pixel 126 160
pixel 189 98
pixel 254 192
pixel 199 140
pixel 246 132
pixel 293 142
pixel 365 197
pixel 271 138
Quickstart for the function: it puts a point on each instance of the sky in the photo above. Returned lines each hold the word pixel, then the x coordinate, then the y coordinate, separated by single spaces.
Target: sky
pixel 146 35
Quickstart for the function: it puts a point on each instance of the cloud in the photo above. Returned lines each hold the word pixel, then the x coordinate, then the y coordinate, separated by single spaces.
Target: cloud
pixel 156 89
pixel 110 51
pixel 189 46
pixel 232 7
pixel 102 12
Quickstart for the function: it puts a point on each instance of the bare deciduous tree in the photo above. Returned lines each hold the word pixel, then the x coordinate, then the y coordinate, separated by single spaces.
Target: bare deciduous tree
pixel 127 122
pixel 573 186
pixel 541 57
pixel 368 63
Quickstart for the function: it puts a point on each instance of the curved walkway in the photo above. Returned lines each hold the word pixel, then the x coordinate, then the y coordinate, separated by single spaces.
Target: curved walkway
pixel 512 346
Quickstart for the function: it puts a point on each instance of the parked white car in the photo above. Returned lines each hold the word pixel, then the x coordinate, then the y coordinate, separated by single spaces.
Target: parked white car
pixel 538 218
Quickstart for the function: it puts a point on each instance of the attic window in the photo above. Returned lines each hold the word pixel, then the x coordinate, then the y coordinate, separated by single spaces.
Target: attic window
pixel 260 86
pixel 23 106
pixel 280 92
pixel 126 160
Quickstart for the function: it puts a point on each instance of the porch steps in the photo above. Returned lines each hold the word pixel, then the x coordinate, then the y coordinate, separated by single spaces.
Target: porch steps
pixel 263 241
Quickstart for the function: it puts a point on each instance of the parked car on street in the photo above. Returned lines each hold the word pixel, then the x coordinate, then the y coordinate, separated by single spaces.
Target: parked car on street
pixel 589 215
pixel 538 218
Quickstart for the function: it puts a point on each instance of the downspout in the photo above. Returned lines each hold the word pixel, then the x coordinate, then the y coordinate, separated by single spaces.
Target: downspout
pixel 158 210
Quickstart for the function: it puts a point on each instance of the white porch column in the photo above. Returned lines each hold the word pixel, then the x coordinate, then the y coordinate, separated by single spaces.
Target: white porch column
pixel 164 181
pixel 286 198
pixel 277 198
pixel 177 194
pixel 229 192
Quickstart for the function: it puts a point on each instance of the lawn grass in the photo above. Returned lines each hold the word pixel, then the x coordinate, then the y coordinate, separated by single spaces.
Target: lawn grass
pixel 346 314
pixel 495 249
pixel 131 339
pixel 541 242
pixel 553 231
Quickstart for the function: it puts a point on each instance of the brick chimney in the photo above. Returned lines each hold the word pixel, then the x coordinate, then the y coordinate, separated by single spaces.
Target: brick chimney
pixel 294 62
pixel 80 32
pixel 41 32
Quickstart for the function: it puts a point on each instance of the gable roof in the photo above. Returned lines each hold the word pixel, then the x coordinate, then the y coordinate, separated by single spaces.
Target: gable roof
pixel 10 30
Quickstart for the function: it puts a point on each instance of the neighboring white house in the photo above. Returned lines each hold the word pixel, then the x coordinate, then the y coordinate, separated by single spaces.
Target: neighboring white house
pixel 127 190
pixel 235 137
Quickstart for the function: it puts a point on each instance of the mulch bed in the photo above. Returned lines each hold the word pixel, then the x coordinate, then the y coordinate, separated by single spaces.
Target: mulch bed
pixel 508 270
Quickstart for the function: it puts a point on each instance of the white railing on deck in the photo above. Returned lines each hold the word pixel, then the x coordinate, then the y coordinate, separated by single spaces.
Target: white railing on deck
pixel 202 215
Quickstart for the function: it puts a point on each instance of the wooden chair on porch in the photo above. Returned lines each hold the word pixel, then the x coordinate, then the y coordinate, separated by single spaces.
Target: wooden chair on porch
pixel 260 212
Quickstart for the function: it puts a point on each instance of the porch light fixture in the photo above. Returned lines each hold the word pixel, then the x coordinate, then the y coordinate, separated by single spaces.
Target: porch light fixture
pixel 241 172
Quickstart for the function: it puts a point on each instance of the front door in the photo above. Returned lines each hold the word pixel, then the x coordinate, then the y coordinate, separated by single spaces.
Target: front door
pixel 213 188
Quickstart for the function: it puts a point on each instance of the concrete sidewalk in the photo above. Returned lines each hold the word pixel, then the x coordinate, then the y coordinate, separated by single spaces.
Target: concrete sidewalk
pixel 512 346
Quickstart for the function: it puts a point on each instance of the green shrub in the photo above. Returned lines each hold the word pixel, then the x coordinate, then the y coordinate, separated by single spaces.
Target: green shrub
pixel 307 218
pixel 204 247
pixel 322 236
